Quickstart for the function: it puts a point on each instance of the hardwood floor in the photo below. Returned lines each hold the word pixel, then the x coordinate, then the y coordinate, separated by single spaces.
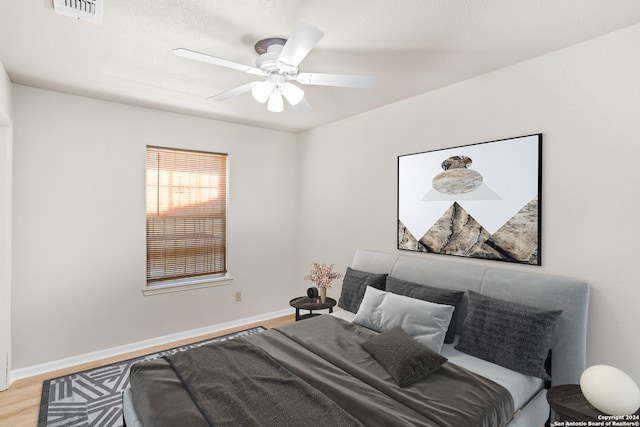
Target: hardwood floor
pixel 19 405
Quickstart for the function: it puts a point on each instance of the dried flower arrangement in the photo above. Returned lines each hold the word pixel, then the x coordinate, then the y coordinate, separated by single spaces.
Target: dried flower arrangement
pixel 322 275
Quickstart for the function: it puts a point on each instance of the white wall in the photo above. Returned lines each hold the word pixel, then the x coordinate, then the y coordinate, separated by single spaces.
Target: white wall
pixel 6 144
pixel 79 225
pixel 584 99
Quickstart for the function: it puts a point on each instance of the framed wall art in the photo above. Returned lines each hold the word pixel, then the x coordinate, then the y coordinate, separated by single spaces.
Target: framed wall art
pixel 478 201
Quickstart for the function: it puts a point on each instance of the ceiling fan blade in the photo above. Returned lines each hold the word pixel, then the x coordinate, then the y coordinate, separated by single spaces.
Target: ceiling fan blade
pixel 192 54
pixel 233 92
pixel 343 80
pixel 300 42
pixel 302 106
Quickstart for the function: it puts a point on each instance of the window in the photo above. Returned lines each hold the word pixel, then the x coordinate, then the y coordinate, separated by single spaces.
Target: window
pixel 186 216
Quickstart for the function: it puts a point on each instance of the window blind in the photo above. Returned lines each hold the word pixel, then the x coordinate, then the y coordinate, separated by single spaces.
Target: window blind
pixel 186 213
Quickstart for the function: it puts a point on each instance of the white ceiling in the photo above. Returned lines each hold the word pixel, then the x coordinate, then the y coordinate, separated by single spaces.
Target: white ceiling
pixel 411 46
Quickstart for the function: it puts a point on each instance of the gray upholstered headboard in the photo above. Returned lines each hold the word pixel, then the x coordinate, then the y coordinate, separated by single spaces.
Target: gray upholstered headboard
pixel 543 291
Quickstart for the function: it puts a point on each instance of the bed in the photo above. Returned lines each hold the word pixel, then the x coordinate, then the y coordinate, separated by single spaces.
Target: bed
pixel 457 368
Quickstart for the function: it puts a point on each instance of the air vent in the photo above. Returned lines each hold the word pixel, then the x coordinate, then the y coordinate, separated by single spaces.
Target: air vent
pixel 84 10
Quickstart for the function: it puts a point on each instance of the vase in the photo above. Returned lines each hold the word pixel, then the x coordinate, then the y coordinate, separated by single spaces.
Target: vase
pixel 323 295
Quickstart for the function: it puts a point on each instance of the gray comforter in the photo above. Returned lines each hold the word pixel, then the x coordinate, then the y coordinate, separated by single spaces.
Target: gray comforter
pixel 256 391
pixel 326 354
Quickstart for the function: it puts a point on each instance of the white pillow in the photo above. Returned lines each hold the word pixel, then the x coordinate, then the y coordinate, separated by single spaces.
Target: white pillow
pixel 425 321
pixel 368 314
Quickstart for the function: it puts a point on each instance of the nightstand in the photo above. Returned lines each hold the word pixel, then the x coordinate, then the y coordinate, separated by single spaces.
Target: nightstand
pixel 306 303
pixel 569 404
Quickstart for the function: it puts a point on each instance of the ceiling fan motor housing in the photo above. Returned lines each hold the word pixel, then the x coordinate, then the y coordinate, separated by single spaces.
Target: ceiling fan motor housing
pixel 262 46
pixel 269 51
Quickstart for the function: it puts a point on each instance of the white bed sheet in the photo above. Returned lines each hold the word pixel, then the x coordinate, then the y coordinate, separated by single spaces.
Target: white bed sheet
pixel 522 387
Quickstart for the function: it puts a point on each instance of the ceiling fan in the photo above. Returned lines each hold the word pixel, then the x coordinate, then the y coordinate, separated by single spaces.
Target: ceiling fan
pixel 277 66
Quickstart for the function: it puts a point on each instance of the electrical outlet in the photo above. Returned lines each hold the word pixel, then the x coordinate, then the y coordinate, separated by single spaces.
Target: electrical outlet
pixel 238 296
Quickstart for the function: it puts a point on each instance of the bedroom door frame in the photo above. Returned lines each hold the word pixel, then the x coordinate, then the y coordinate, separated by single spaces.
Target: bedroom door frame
pixel 6 173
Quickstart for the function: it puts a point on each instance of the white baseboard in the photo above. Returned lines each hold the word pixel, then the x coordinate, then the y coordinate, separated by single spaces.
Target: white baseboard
pixel 43 368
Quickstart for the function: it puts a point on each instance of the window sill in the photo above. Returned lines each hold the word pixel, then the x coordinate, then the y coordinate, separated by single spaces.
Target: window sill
pixel 186 285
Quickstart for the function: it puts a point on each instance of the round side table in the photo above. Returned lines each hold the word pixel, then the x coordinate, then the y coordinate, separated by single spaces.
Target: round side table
pixel 306 303
pixel 569 404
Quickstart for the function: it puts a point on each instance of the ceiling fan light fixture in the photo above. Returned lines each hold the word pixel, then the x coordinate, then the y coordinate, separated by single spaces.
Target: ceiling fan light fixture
pixel 262 91
pixel 292 93
pixel 275 105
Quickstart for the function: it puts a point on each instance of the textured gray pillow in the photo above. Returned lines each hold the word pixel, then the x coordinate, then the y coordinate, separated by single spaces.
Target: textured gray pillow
pixel 429 293
pixel 512 335
pixel 354 284
pixel 406 360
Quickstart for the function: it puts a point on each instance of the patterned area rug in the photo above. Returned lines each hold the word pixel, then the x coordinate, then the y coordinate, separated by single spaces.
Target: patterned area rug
pixel 94 397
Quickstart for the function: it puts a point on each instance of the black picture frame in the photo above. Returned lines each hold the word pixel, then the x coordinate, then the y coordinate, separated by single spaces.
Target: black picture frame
pixel 480 200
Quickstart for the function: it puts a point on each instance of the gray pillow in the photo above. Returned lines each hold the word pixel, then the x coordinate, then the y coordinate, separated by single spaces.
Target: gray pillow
pixel 405 359
pixel 354 284
pixel 509 334
pixel 429 293
pixel 425 321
